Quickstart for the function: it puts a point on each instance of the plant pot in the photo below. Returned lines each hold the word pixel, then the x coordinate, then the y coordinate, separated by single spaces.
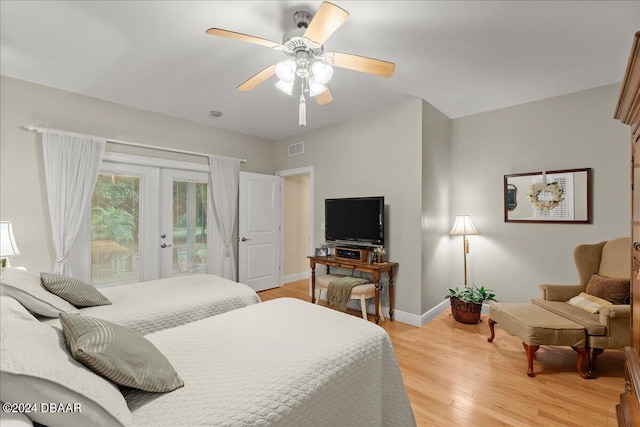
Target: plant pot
pixel 465 312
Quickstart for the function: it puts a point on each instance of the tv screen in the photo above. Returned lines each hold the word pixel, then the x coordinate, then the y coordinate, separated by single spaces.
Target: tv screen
pixel 355 220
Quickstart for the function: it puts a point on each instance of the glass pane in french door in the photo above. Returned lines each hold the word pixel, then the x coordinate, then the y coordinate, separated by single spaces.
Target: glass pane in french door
pixel 115 221
pixel 190 242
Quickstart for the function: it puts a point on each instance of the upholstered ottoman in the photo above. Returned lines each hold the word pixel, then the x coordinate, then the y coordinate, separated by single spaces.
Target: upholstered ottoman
pixel 360 292
pixel 536 326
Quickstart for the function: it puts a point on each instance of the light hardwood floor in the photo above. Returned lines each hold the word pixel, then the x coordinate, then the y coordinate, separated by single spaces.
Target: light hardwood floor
pixel 454 377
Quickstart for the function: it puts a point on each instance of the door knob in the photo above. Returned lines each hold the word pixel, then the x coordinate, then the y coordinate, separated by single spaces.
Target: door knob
pixel 163 235
pixel 244 239
pixel 636 246
pixel 164 245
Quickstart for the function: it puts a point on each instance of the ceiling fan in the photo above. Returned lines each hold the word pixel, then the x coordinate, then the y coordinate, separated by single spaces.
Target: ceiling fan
pixel 308 60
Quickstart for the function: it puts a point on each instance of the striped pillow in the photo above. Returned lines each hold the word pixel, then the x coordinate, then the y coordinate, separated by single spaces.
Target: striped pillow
pixel 76 292
pixel 119 354
pixel 589 303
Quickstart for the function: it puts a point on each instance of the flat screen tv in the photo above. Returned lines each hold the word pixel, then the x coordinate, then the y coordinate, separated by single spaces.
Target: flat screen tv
pixel 357 220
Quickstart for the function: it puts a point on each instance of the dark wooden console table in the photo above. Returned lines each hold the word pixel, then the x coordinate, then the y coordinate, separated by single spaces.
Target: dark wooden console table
pixel 376 269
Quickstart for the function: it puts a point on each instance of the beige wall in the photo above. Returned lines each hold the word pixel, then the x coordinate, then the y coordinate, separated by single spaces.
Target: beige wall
pixel 297 218
pixel 378 154
pixel 429 169
pixel 565 132
pixel 436 198
pixel 23 196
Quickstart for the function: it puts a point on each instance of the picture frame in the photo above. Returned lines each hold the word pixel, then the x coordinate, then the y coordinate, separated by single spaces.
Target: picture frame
pixel 551 197
pixel 321 252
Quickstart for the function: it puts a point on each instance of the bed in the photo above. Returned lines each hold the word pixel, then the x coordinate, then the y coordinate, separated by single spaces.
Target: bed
pixel 284 362
pixel 160 304
pixel 145 307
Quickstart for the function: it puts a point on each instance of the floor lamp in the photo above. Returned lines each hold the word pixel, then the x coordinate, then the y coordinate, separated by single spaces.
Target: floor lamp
pixel 464 227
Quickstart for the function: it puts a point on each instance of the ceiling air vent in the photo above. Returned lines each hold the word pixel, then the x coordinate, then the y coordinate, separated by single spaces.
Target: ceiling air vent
pixel 297 148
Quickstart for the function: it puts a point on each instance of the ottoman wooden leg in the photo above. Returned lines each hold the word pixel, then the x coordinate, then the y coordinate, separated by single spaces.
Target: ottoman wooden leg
pixel 491 328
pixel 530 350
pixel 582 356
pixel 593 353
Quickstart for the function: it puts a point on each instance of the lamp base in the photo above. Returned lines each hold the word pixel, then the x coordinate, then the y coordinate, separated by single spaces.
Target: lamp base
pixel 4 262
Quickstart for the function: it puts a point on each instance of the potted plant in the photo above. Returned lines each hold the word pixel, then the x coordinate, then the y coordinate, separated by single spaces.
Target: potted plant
pixel 466 303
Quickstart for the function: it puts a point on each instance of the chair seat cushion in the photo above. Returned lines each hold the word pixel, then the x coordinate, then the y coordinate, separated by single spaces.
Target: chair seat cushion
pixel 536 326
pixel 367 289
pixel 589 321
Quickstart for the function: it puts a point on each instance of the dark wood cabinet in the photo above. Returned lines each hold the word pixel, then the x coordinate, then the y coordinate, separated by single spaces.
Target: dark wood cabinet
pixel 628 112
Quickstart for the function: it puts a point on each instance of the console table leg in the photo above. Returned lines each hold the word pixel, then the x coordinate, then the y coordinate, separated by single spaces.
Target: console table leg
pixel 377 297
pixel 391 293
pixel 313 284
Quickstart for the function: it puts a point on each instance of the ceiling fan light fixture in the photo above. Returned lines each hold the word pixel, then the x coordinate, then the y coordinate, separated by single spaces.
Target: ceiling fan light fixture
pixel 286 70
pixel 316 88
pixel 322 72
pixel 286 87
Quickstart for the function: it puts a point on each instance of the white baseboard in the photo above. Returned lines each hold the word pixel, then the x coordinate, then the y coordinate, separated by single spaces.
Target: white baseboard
pixel 408 318
pixel 434 312
pixel 420 321
pixel 295 277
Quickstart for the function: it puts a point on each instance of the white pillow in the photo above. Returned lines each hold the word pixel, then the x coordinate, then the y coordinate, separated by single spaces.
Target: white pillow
pixel 14 419
pixel 12 308
pixel 27 288
pixel 589 303
pixel 35 366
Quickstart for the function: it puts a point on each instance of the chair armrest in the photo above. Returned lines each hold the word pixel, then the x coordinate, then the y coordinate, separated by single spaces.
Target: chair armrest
pixel 614 311
pixel 560 292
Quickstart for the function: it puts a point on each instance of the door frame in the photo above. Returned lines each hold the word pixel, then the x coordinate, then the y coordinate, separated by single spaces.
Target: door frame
pixel 150 247
pixel 292 172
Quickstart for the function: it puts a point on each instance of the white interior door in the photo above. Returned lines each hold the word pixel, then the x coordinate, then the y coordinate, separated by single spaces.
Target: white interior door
pixel 259 231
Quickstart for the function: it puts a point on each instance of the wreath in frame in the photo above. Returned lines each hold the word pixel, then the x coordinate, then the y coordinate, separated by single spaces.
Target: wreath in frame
pixel 553 188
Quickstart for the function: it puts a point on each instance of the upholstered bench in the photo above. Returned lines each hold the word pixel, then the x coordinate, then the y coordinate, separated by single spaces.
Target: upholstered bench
pixel 536 326
pixel 360 292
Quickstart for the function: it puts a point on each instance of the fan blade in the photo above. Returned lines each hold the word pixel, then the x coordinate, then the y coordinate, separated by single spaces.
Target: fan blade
pixel 364 64
pixel 257 79
pixel 244 37
pixel 325 22
pixel 324 98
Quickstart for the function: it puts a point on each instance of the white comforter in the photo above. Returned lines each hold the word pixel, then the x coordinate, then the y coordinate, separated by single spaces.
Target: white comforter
pixel 281 362
pixel 161 304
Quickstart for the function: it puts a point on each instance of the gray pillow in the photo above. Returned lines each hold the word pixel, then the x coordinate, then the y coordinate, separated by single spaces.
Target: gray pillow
pixel 36 367
pixel 27 288
pixel 119 354
pixel 72 290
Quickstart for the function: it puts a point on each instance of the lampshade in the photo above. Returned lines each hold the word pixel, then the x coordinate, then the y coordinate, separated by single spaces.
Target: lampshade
pixel 286 70
pixel 316 88
pixel 322 72
pixel 463 226
pixel 286 87
pixel 8 245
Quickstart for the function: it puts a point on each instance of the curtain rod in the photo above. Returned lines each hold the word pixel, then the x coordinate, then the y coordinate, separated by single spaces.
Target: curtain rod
pixel 38 129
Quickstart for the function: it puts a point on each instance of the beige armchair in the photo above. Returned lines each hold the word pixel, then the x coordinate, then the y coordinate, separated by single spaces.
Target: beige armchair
pixel 611 327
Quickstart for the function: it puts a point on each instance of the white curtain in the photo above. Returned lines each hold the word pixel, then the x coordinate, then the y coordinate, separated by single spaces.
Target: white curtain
pixel 71 165
pixel 224 175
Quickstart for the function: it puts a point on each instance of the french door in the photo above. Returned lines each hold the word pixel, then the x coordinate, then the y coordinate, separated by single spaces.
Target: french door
pixel 184 222
pixel 144 223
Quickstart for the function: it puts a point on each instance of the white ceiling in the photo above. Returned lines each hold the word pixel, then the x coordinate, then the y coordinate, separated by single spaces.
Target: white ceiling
pixel 463 57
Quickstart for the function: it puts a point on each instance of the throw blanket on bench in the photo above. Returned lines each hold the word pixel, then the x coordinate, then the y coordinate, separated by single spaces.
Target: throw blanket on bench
pixel 339 290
